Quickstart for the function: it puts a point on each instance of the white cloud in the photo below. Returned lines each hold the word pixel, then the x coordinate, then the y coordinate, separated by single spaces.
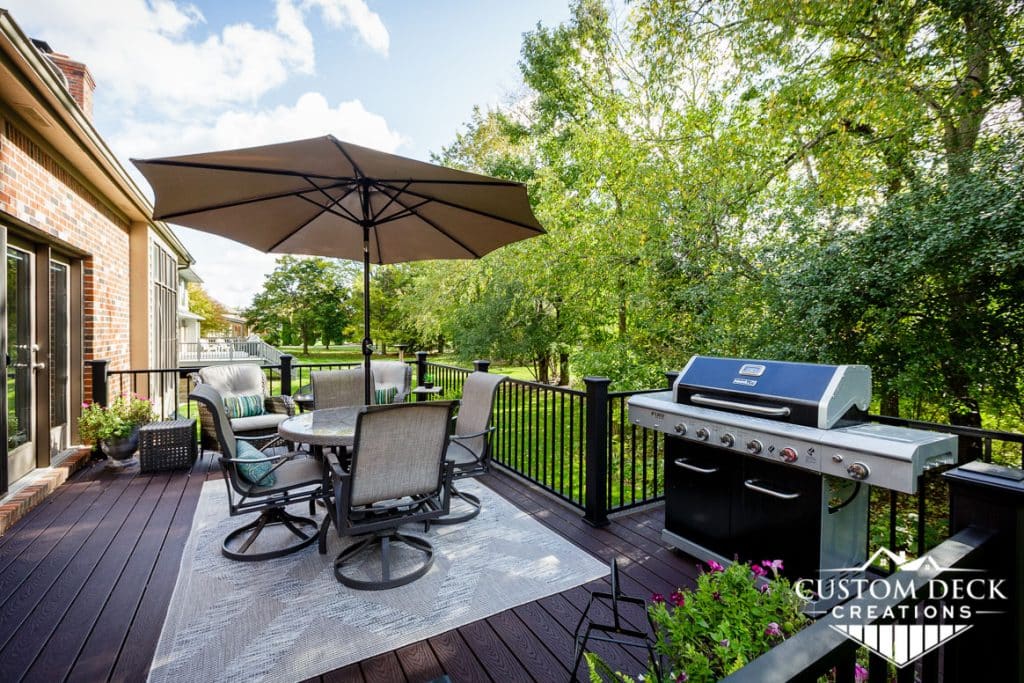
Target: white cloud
pixel 310 116
pixel 231 273
pixel 141 54
pixel 339 13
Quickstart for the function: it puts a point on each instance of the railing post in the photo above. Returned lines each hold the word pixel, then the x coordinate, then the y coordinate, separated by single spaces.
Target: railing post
pixel 481 365
pixel 99 381
pixel 993 499
pixel 596 500
pixel 286 374
pixel 421 371
pixel 670 377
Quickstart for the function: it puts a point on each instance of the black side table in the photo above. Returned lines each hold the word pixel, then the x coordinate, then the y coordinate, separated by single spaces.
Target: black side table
pixel 167 445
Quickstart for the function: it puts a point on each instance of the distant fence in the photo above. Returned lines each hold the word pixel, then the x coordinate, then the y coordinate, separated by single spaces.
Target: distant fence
pixel 227 350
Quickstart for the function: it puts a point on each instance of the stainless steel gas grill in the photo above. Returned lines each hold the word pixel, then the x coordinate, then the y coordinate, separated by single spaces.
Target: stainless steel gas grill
pixel 768 459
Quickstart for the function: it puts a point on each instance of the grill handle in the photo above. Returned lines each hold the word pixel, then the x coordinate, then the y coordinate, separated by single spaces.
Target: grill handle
pixel 681 462
pixel 750 484
pixel 703 400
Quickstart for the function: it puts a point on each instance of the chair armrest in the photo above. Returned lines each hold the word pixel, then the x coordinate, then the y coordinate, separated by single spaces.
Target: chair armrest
pixel 332 466
pixel 462 437
pixel 284 405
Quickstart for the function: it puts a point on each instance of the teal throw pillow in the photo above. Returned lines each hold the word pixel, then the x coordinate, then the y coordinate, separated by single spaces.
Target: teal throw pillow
pixel 244 405
pixel 386 395
pixel 258 473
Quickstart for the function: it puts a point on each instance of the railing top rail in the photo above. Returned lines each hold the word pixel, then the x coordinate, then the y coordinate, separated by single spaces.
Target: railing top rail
pixel 634 392
pixel 950 429
pixel 816 645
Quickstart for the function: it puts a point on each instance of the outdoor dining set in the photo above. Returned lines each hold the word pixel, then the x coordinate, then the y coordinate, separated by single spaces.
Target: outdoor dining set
pixel 375 467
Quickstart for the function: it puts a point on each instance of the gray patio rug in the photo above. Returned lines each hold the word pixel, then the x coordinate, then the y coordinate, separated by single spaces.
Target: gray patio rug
pixel 288 619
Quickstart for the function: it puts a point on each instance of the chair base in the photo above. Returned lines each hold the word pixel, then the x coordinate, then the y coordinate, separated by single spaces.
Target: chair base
pixel 474 502
pixel 267 518
pixel 384 541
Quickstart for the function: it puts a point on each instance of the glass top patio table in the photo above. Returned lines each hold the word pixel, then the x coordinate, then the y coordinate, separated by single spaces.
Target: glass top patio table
pixel 326 427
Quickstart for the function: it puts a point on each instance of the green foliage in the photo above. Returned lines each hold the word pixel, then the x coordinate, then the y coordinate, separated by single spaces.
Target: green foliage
pixel 119 419
pixel 729 620
pixel 304 299
pixel 212 311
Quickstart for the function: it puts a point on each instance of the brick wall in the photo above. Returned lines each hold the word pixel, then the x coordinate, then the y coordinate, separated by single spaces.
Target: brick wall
pixel 36 189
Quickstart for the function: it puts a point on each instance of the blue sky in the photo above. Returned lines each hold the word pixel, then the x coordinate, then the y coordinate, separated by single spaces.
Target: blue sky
pixel 180 77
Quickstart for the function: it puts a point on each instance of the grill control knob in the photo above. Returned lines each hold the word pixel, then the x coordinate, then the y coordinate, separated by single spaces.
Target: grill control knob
pixel 680 428
pixel 754 446
pixel 788 454
pixel 858 471
pixel 727 439
pixel 703 434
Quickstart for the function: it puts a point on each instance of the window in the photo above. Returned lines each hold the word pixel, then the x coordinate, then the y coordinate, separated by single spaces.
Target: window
pixel 164 284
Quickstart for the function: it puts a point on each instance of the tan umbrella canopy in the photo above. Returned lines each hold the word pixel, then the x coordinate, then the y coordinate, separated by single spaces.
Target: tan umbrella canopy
pixel 325 197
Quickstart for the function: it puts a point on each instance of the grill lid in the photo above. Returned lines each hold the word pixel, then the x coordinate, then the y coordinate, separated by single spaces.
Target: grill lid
pixel 800 393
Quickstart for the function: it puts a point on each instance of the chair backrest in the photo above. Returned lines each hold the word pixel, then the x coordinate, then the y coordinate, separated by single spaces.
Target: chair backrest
pixel 339 388
pixel 399 451
pixel 392 373
pixel 476 409
pixel 207 395
pixel 235 379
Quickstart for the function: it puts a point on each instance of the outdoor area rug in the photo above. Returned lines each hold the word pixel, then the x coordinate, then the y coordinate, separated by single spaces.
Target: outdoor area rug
pixel 288 619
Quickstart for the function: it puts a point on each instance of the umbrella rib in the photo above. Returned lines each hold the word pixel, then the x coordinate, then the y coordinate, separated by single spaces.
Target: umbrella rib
pixel 429 222
pixel 401 214
pixel 461 207
pixel 329 209
pixel 391 200
pixel 355 166
pixel 243 169
pixel 240 202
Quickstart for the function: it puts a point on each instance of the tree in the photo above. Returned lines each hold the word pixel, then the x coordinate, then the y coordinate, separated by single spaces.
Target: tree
pixel 309 297
pixel 212 311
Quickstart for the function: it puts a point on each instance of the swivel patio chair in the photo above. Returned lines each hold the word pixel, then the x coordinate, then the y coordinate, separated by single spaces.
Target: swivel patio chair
pixel 469 449
pixel 392 381
pixel 339 388
pixel 254 413
pixel 258 482
pixel 398 476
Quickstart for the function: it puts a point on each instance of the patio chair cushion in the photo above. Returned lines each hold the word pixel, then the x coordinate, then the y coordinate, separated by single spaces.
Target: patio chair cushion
pixel 244 405
pixel 385 395
pixel 243 425
pixel 257 473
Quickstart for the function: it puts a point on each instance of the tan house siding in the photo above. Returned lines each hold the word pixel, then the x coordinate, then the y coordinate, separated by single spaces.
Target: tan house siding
pixel 37 188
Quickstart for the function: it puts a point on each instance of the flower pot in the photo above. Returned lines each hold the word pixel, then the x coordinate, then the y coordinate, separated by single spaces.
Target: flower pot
pixel 428 385
pixel 121 448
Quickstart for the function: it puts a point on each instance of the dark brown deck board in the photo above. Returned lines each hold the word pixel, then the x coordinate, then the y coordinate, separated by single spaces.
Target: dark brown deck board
pixel 89 575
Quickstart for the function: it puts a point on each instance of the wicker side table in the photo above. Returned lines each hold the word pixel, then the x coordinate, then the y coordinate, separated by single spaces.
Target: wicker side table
pixel 167 445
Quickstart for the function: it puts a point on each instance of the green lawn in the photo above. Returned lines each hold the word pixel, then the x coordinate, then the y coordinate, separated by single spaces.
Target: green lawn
pixel 349 353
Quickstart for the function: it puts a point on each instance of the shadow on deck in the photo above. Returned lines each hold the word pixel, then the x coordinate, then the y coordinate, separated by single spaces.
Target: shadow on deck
pixel 86 578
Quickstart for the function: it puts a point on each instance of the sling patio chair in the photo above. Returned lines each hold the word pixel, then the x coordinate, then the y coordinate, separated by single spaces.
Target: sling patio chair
pixel 264 483
pixel 398 475
pixel 338 388
pixel 469 448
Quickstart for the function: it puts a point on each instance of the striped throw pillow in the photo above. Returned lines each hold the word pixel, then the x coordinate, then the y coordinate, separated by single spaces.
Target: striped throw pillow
pixel 386 395
pixel 258 473
pixel 245 405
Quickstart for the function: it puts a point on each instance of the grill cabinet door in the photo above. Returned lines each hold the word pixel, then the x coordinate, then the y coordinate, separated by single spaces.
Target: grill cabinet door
pixel 698 493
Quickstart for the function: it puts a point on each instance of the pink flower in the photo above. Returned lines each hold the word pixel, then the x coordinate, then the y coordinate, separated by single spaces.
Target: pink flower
pixel 758 570
pixel 85 404
pixel 724 642
pixel 717 596
pixel 677 598
pixel 860 674
pixel 715 567
pixel 682 678
pixel 773 630
pixel 775 565
pixel 658 598
pixel 765 588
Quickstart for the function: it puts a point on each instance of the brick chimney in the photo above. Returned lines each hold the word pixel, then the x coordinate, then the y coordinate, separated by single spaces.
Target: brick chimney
pixel 79 80
pixel 80 83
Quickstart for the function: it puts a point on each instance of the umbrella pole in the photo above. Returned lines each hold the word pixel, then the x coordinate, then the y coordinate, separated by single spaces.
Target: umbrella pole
pixel 367 343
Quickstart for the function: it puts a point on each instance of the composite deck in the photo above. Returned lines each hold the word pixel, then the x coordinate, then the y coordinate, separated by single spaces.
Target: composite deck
pixel 86 578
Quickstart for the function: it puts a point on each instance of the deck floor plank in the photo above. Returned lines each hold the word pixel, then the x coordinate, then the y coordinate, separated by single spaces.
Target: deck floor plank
pixel 98 563
pixel 95 659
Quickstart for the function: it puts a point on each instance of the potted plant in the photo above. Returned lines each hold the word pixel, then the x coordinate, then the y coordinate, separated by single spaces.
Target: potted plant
pixel 733 616
pixel 115 428
pixel 428 381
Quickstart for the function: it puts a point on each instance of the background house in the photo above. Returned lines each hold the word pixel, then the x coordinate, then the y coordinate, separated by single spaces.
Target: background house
pixel 88 274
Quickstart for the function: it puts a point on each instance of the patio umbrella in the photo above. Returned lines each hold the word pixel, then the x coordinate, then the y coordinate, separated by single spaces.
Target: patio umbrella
pixel 325 197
